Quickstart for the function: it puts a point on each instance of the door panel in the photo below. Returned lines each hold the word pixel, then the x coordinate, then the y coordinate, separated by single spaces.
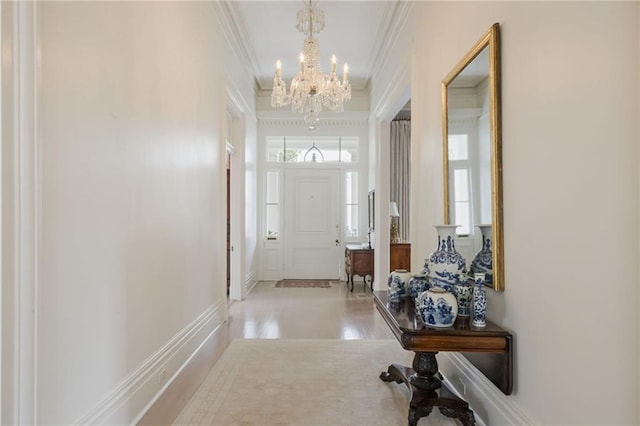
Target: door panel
pixel 311 223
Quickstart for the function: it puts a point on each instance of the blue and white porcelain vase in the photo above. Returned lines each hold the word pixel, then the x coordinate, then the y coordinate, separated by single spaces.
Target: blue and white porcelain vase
pixel 446 267
pixel 437 307
pixel 479 301
pixel 417 284
pixel 464 296
pixel 483 260
pixel 397 284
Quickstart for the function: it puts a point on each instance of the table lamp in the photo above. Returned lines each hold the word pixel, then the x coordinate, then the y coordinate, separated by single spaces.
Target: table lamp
pixel 395 217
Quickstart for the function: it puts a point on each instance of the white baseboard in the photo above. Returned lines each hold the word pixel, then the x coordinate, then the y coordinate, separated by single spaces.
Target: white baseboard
pixel 131 398
pixel 489 404
pixel 250 282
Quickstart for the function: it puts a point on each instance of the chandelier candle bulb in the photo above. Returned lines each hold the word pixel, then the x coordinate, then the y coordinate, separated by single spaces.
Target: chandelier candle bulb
pixel 333 64
pixel 345 74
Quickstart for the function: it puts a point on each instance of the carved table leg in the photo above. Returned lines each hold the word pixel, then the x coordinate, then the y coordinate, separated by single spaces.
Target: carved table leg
pixel 393 374
pixel 425 385
pixel 425 366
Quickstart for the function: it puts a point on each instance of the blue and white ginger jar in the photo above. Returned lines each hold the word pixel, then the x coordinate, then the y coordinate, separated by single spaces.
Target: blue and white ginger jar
pixel 398 284
pixel 483 260
pixel 437 307
pixel 446 267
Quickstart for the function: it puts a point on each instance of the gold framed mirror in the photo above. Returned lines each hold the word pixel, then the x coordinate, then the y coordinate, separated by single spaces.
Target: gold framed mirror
pixel 472 153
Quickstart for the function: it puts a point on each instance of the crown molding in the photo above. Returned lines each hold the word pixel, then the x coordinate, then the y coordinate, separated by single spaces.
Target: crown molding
pixel 234 30
pixel 395 91
pixel 394 21
pixel 464 116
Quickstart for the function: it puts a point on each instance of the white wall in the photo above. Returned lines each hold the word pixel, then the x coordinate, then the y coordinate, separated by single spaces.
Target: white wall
pixel 129 203
pixel 570 156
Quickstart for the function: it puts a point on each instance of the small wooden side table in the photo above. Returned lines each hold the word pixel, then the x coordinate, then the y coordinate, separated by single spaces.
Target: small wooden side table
pixel 358 261
pixel 423 380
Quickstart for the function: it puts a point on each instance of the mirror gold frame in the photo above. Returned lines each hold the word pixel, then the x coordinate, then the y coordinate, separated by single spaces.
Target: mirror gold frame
pixel 491 41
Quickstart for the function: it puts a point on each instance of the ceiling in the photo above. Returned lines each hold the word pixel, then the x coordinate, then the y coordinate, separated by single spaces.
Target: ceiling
pixel 354 31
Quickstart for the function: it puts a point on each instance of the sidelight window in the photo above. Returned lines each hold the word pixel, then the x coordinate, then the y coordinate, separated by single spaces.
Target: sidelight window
pixel 272 205
pixel 352 216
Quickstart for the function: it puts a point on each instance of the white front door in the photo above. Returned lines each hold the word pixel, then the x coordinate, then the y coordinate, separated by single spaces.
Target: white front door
pixel 312 223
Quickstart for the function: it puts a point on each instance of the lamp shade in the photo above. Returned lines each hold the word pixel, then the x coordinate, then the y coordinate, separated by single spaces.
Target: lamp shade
pixel 393 209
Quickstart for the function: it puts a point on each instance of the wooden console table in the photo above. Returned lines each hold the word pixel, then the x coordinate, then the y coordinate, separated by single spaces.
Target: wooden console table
pixel 491 344
pixel 358 261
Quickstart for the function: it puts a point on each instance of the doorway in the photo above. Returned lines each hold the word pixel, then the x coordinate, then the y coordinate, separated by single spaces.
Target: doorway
pixel 312 224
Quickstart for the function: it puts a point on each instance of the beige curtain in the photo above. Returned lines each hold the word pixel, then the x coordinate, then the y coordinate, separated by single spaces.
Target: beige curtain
pixel 401 172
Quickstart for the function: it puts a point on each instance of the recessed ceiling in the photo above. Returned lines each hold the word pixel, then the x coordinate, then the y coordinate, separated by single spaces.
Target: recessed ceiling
pixel 353 30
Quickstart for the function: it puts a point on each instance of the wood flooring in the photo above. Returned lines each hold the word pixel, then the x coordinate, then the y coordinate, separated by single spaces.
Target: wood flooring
pixel 276 313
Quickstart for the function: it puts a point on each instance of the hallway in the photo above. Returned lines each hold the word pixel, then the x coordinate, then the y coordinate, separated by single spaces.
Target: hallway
pixel 276 313
pixel 117 117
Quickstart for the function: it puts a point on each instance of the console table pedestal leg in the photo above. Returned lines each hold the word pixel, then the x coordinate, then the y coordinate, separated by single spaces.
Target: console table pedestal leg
pixel 427 390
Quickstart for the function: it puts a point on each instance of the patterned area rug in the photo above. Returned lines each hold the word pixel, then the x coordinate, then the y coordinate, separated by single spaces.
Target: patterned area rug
pixel 304 283
pixel 321 382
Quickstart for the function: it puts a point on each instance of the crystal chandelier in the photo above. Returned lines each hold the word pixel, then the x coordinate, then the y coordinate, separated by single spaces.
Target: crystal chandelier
pixel 311 88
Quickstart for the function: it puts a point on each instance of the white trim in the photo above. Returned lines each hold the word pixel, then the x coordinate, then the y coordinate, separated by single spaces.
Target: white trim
pixel 482 395
pixel 394 96
pixel 357 122
pixel 395 21
pixel 239 104
pixel 232 26
pixel 21 214
pixel 250 282
pixel 237 110
pixel 132 397
pixel 2 243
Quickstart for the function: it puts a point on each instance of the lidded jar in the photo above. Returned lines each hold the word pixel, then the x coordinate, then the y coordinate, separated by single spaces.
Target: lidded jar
pixel 398 284
pixel 437 307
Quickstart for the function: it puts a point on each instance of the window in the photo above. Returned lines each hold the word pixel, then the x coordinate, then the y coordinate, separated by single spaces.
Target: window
pixel 461 201
pixel 272 207
pixel 461 184
pixel 352 216
pixel 299 149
